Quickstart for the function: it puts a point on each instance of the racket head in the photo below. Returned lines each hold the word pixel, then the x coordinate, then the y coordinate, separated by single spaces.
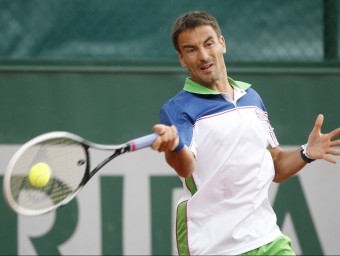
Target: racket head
pixel 66 155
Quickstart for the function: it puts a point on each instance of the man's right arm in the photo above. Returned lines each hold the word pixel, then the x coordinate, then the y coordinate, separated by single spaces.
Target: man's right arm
pixel 182 161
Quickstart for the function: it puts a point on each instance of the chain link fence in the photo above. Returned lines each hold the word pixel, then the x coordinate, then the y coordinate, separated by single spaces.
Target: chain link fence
pixel 255 30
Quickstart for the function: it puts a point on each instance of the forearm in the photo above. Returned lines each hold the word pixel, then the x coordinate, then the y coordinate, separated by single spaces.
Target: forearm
pixel 286 163
pixel 183 162
pixel 177 154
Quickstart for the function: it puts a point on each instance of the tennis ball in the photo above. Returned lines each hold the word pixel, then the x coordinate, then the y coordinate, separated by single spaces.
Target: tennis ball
pixel 40 174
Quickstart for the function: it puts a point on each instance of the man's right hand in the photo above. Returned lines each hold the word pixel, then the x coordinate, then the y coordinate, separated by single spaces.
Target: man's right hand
pixel 168 138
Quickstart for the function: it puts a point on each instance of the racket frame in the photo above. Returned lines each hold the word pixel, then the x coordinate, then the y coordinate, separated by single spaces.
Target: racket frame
pixel 117 150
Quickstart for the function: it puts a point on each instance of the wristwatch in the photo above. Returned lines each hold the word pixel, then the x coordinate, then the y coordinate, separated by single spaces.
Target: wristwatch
pixel 303 154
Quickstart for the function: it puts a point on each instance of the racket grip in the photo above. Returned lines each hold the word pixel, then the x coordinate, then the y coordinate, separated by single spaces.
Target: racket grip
pixel 143 142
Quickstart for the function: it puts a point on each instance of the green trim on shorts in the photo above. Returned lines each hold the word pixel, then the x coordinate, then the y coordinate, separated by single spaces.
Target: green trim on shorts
pixel 280 246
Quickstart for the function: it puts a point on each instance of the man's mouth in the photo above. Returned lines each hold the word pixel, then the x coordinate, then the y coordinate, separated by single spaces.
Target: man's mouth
pixel 206 67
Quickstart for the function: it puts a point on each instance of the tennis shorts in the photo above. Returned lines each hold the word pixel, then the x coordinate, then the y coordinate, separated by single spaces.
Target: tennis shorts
pixel 280 246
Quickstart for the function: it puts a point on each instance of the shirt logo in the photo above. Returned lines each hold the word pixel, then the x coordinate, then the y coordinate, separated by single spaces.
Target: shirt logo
pixel 263 116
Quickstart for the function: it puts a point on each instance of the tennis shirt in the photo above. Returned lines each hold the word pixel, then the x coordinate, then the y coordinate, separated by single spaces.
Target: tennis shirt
pixel 224 208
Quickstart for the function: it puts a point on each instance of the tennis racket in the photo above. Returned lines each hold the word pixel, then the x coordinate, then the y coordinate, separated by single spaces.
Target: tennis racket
pixel 69 161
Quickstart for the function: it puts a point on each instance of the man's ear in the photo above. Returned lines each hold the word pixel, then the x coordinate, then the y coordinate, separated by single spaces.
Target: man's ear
pixel 224 44
pixel 180 58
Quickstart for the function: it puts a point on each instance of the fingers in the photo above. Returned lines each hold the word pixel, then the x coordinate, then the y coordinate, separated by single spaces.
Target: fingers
pixel 315 135
pixel 329 159
pixel 318 123
pixel 333 152
pixel 168 138
pixel 334 133
pixel 321 146
pixel 160 129
pixel 328 137
pixel 335 143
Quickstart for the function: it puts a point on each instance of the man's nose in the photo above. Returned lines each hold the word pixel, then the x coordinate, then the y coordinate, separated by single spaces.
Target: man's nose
pixel 203 54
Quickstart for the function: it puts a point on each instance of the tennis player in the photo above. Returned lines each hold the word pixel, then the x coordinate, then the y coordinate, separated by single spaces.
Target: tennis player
pixel 217 136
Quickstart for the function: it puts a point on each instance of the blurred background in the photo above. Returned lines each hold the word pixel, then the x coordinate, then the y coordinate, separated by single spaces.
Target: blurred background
pixel 103 68
pixel 301 31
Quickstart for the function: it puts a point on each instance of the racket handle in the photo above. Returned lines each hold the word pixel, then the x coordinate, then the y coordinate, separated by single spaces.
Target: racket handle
pixel 143 142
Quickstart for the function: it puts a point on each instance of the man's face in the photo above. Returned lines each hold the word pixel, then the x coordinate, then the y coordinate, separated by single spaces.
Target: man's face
pixel 202 54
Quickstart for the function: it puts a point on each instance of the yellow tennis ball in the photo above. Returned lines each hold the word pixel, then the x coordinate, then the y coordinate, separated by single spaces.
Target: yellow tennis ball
pixel 40 174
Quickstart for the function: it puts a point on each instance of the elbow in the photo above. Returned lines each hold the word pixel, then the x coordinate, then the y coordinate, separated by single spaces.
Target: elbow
pixel 280 178
pixel 182 162
pixel 185 171
pixel 184 175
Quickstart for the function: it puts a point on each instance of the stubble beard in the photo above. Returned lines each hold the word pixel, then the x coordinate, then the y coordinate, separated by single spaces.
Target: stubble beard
pixel 213 79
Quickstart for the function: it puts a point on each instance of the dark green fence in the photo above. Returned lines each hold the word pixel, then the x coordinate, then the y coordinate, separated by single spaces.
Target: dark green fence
pixel 256 30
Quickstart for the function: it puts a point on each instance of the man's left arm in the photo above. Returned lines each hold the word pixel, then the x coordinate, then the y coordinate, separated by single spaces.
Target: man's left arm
pixel 319 146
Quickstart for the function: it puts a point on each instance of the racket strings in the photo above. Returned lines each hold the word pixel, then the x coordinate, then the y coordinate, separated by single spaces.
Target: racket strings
pixel 68 162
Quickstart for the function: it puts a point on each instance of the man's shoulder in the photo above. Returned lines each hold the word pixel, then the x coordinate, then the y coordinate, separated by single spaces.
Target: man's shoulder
pixel 180 98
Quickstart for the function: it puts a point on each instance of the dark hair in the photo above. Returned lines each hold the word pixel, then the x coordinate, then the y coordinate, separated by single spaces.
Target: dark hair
pixel 191 20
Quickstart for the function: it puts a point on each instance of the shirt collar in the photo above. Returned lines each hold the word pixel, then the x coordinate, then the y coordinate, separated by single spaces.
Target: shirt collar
pixel 193 87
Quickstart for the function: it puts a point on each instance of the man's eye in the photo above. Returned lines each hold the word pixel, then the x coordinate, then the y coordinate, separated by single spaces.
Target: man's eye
pixel 210 44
